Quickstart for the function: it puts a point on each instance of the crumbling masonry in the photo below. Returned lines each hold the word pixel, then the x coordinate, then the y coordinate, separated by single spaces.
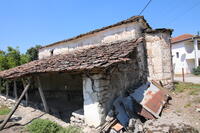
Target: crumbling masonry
pixel 91 70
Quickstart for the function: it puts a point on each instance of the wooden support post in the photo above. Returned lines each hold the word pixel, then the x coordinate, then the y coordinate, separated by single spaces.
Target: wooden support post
pixel 183 74
pixel 7 89
pixel 15 90
pixel 42 96
pixel 0 85
pixel 15 107
pixel 26 95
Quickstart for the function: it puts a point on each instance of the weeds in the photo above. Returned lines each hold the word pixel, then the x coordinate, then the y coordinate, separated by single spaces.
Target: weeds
pixel 194 89
pixel 47 126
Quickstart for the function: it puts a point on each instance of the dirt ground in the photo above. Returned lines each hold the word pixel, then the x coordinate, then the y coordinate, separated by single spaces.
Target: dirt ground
pixel 186 106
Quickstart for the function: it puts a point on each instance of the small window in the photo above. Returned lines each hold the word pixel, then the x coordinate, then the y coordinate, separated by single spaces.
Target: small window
pixel 51 52
pixel 177 54
pixel 198 45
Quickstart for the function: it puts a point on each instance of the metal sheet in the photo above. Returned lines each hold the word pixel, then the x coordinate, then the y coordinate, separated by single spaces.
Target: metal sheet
pixel 152 99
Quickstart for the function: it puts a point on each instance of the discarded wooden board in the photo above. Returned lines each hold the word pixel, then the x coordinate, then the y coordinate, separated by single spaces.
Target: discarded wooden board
pixel 117 127
pixel 106 127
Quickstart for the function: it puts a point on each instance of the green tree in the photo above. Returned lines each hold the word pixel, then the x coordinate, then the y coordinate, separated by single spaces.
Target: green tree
pixel 13 57
pixel 24 58
pixel 3 61
pixel 33 52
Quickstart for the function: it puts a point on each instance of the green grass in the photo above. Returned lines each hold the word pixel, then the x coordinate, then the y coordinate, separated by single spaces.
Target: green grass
pixel 4 110
pixel 47 126
pixel 194 89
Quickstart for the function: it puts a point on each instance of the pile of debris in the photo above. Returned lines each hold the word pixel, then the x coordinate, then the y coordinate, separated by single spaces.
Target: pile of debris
pixel 129 113
pixel 77 118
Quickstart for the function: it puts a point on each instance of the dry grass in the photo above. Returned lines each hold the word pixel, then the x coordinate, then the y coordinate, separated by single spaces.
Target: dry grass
pixel 193 89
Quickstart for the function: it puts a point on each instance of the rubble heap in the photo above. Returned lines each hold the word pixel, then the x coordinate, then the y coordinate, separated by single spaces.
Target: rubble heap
pixel 140 112
pixel 77 118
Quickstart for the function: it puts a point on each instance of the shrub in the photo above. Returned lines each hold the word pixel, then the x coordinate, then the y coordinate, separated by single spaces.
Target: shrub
pixel 47 126
pixel 196 71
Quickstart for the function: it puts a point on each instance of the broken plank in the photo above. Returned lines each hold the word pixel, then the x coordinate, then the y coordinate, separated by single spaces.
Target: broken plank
pixel 15 107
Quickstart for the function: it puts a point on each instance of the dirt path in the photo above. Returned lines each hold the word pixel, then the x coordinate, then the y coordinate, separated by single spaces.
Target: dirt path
pixel 188 78
pixel 185 105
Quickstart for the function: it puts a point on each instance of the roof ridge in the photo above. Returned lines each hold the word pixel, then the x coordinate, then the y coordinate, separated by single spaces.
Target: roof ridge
pixel 126 21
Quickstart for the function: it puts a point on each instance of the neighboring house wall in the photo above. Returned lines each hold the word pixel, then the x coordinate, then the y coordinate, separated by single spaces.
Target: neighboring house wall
pixel 178 53
pixel 185 56
pixel 119 33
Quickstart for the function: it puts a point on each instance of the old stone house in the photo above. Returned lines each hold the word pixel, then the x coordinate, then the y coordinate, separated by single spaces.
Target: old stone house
pixel 90 70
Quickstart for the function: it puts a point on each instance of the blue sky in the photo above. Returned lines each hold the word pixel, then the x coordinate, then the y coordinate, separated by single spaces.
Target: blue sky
pixel 25 23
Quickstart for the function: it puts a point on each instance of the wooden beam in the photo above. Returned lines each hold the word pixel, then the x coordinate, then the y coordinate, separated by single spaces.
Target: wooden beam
pixel 15 90
pixel 26 94
pixel 42 95
pixel 0 85
pixel 7 89
pixel 15 107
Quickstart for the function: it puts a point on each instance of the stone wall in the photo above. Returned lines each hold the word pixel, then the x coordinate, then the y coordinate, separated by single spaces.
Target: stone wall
pixel 60 85
pixel 63 93
pixel 100 90
pixel 119 33
pixel 159 58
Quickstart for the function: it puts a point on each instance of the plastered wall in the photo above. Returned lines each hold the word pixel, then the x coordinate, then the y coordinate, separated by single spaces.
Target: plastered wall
pixel 119 33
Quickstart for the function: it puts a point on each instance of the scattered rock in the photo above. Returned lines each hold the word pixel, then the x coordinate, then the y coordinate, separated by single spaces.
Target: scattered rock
pixel 110 116
pixel 170 123
pixel 198 110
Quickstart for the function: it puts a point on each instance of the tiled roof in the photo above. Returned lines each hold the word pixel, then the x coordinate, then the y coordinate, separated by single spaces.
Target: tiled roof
pixel 181 38
pixel 129 20
pixel 94 58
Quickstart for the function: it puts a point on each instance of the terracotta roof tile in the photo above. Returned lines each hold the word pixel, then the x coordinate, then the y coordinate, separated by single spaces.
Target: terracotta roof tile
pixel 94 58
pixel 181 38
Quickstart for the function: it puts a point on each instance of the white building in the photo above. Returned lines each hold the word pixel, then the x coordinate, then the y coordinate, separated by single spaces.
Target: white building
pixel 185 52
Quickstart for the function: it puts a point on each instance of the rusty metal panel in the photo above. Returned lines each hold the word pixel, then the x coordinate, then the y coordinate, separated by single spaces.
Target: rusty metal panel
pixel 143 112
pixel 151 98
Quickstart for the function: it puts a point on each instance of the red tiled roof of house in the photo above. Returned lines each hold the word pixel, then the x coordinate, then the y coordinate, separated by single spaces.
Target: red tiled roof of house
pixel 181 38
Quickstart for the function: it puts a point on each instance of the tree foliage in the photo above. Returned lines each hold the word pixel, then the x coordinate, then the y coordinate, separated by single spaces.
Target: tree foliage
pixel 12 57
pixel 33 53
pixel 3 61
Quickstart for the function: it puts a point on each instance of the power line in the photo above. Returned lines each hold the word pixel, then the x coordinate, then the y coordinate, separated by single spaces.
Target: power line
pixel 145 7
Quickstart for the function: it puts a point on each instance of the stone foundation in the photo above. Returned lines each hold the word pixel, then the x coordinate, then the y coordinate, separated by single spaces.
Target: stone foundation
pixel 77 118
